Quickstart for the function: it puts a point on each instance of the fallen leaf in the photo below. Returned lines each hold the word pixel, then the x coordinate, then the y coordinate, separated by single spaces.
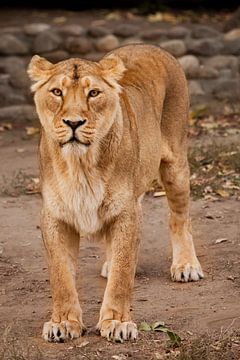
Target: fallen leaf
pixel 30 130
pixel 144 326
pixel 157 325
pixel 219 241
pixel 82 344
pixel 20 150
pixel 7 126
pixel 159 193
pixel 222 193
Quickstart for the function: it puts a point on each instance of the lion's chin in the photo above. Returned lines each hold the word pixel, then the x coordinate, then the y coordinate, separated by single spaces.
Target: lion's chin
pixel 74 148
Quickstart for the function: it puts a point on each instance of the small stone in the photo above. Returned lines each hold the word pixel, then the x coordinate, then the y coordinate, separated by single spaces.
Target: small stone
pixel 178 32
pixel 10 45
pixel 107 43
pixel 223 62
pixel 46 41
pixel 205 47
pixel 72 29
pixel 208 72
pixel 56 56
pixel 132 40
pixel 226 89
pixel 78 45
pixel 203 31
pixel 175 47
pixel 232 47
pixel 195 88
pixel 232 35
pixel 97 31
pixel 35 28
pixel 126 30
pixel 18 113
pixel 190 64
pixel 154 34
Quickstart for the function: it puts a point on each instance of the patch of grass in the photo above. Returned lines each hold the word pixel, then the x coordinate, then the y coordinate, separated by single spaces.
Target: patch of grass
pixel 225 346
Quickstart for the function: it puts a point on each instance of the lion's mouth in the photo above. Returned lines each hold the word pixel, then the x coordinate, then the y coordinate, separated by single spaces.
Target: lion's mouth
pixel 74 140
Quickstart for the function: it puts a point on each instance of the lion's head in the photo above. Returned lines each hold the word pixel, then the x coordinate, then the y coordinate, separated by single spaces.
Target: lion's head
pixel 76 100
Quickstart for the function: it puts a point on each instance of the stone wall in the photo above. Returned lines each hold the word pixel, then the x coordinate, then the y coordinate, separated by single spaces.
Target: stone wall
pixel 210 58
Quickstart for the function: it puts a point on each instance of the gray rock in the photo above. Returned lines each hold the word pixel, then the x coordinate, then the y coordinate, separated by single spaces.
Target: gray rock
pixel 10 97
pixel 126 30
pixel 190 64
pixel 205 47
pixel 178 32
pixel 232 35
pixel 35 28
pixel 226 89
pixel 175 47
pixel 97 31
pixel 56 56
pixel 46 41
pixel 208 72
pixel 153 34
pixel 107 43
pixel 11 45
pixel 16 68
pixel 18 113
pixel 78 45
pixel 203 31
pixel 132 40
pixel 223 62
pixel 72 29
pixel 232 47
pixel 195 88
pixel 4 79
pixel 11 30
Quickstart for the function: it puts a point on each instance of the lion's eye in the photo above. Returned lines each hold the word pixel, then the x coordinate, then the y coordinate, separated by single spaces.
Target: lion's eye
pixel 94 93
pixel 57 92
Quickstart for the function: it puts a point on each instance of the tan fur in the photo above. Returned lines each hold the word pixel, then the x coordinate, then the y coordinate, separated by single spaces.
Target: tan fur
pixel 134 129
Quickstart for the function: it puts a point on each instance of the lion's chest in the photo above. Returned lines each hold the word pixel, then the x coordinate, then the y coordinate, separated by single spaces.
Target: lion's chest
pixel 80 203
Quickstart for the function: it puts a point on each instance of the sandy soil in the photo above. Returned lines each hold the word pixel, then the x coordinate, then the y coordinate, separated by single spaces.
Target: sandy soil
pixel 211 305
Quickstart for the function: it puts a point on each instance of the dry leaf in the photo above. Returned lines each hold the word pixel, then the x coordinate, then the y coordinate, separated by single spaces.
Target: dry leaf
pixel 82 344
pixel 219 241
pixel 7 126
pixel 222 193
pixel 20 150
pixel 159 193
pixel 30 130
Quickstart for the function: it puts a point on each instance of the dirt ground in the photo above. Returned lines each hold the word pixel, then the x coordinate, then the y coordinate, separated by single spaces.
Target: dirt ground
pixel 193 310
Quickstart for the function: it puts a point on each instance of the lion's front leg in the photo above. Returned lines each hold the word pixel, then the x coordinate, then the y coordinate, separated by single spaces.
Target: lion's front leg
pixel 115 321
pixel 62 245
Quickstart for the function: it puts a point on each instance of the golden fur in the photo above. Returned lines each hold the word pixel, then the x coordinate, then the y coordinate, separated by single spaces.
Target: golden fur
pixel 130 113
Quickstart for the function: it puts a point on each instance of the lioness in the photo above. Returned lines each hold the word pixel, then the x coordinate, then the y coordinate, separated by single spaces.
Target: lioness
pixel 108 129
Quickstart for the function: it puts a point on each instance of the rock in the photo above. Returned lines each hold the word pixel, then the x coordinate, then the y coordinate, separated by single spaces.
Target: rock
pixel 16 68
pixel 190 64
pixel 233 21
pixel 223 62
pixel 175 47
pixel 195 88
pixel 178 32
pixel 203 31
pixel 205 47
pixel 107 43
pixel 226 89
pixel 10 97
pixel 11 30
pixel 132 40
pixel 153 34
pixel 11 45
pixel 126 30
pixel 56 56
pixel 208 72
pixel 78 45
pixel 72 29
pixel 46 41
pixel 35 28
pixel 232 47
pixel 97 31
pixel 18 113
pixel 4 79
pixel 232 35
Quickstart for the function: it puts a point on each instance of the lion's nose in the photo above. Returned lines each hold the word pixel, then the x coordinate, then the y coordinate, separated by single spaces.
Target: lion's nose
pixel 74 124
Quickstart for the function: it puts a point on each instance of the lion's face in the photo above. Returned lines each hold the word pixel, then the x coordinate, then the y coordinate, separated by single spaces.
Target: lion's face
pixel 76 100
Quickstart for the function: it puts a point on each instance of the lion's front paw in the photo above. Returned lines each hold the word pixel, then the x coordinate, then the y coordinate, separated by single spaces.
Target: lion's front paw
pixel 186 271
pixel 59 332
pixel 117 331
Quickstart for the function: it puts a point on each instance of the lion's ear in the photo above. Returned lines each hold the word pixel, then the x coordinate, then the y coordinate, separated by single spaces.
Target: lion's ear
pixel 112 68
pixel 39 68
